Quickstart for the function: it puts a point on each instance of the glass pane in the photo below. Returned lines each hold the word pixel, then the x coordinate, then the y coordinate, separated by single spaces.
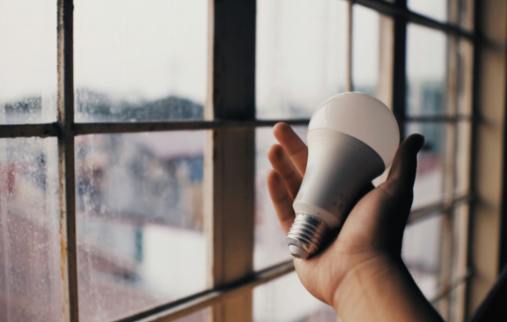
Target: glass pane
pixel 286 300
pixel 30 272
pixel 156 62
pixel 436 9
pixel 430 167
pixel 270 245
pixel 421 251
pixel 426 71
pixel 140 221
pixel 299 65
pixel 28 61
pixel 458 12
pixel 371 53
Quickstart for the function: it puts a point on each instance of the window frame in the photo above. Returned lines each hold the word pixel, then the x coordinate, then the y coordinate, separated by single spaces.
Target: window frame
pixel 231 105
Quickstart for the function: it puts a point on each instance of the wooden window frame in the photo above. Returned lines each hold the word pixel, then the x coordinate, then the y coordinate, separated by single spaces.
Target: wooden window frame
pixel 232 123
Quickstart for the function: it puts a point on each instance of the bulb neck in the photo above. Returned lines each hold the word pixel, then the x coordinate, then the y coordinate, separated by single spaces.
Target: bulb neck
pixel 306 235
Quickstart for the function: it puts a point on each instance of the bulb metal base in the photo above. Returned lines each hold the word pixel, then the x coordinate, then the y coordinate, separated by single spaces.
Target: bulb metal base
pixel 306 235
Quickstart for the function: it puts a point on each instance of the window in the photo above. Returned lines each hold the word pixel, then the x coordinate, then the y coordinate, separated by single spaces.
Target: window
pixel 132 167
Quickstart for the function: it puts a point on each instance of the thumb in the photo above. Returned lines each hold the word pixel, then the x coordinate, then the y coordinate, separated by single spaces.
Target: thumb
pixel 401 177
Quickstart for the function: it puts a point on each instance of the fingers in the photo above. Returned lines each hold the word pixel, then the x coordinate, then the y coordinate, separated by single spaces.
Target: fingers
pixel 296 149
pixel 285 168
pixel 402 175
pixel 281 200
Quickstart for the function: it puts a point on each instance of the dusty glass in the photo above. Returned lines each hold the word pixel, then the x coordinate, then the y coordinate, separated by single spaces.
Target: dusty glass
pixel 28 61
pixel 139 62
pixel 427 69
pixel 140 221
pixel 31 286
pixel 300 56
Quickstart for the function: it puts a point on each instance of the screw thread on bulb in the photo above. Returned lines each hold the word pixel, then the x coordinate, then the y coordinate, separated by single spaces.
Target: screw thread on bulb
pixel 306 235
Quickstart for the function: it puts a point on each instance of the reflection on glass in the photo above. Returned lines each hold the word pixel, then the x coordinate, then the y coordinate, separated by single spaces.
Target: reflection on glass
pixel 140 225
pixel 138 62
pixel 370 54
pixel 426 71
pixel 286 300
pixel 28 61
pixel 428 186
pixel 270 245
pixel 30 275
pixel 299 65
pixel 421 251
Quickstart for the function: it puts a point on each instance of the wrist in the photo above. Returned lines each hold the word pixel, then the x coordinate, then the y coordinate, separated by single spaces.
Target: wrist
pixel 356 281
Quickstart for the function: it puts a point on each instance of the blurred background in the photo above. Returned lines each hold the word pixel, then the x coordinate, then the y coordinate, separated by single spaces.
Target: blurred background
pixel 143 216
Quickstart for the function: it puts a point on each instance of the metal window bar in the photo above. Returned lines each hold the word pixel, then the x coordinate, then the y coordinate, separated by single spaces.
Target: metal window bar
pixel 68 239
pixel 55 129
pixel 444 292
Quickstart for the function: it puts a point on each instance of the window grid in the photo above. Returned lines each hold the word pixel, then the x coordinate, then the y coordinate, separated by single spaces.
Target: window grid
pixel 232 111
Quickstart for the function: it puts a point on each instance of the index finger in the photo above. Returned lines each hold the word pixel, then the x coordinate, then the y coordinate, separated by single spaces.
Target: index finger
pixel 296 149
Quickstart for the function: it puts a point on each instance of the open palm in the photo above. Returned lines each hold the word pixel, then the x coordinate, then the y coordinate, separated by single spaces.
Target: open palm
pixel 373 230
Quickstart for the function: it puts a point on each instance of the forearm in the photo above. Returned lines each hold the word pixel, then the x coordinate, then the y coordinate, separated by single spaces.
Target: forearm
pixel 382 290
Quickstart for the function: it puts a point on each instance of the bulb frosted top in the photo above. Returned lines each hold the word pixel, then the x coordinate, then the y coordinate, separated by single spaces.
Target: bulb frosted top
pixel 362 117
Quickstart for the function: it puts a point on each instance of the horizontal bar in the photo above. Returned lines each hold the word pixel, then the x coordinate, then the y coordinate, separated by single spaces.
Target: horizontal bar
pixel 53 129
pixel 97 128
pixel 391 9
pixel 437 118
pixel 196 302
pixel 445 291
pixel 28 130
pixel 434 209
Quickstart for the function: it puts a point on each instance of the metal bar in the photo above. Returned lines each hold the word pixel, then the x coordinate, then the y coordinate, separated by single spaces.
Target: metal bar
pixel 418 214
pixel 395 10
pixel 233 154
pixel 502 262
pixel 349 50
pixel 54 129
pixel 28 130
pixel 399 67
pixel 445 291
pixel 437 118
pixel 102 128
pixel 66 158
pixel 193 303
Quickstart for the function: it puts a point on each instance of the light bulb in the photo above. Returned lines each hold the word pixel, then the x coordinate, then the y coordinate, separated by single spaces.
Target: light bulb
pixel 352 139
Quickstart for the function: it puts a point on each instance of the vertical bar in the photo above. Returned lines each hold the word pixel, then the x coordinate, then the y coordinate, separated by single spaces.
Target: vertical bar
pixel 349 50
pixel 233 155
pixel 489 80
pixel 65 95
pixel 399 67
pixel 447 250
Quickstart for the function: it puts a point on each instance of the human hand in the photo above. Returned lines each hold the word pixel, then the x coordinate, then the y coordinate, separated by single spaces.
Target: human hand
pixel 371 235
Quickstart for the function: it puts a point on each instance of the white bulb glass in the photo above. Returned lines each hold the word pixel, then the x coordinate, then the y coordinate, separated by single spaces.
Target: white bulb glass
pixel 352 139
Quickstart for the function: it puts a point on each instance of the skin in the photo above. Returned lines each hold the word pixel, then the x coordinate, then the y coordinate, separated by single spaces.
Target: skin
pixel 361 274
